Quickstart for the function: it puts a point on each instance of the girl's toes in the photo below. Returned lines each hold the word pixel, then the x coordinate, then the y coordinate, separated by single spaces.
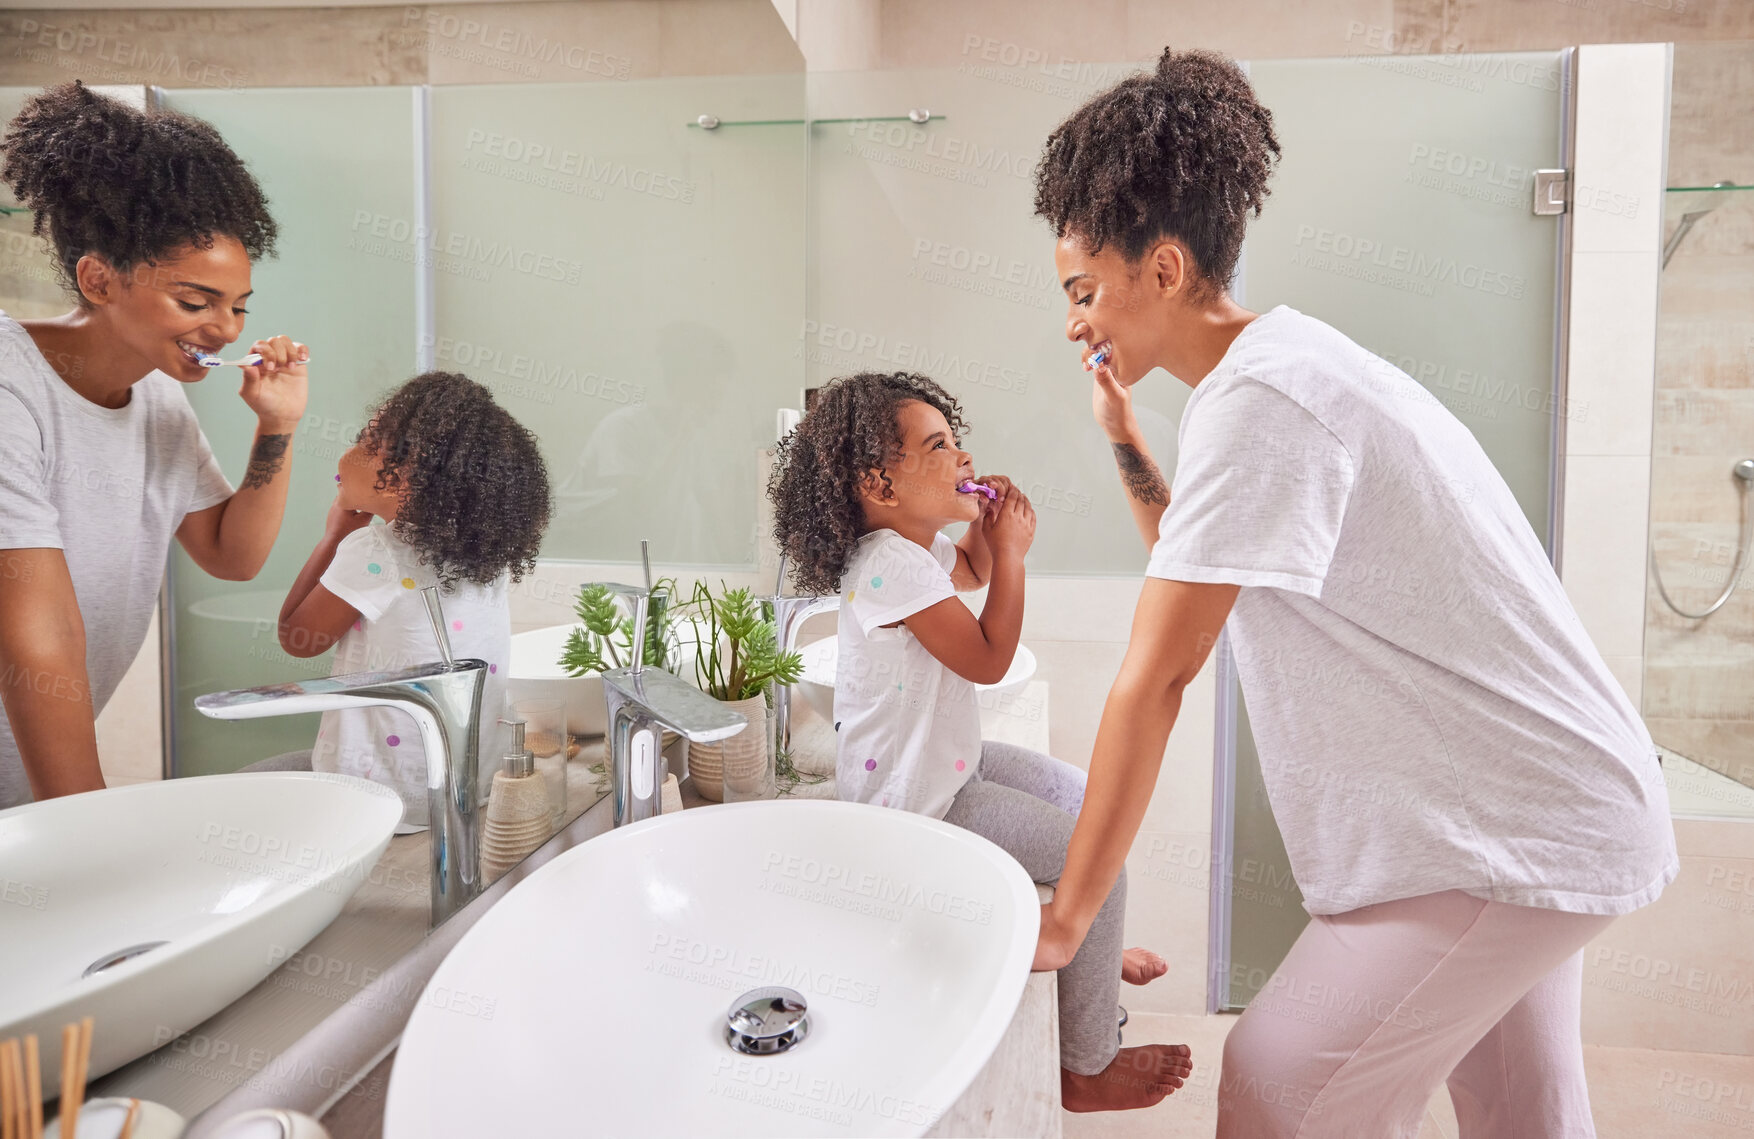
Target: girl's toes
pixel 1141 966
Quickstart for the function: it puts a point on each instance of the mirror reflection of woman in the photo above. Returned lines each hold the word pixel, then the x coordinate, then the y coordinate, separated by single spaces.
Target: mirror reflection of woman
pixel 1466 794
pixel 154 224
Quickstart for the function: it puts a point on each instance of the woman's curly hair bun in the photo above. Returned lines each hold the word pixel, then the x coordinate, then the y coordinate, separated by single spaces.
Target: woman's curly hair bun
pixel 1183 151
pixel 128 185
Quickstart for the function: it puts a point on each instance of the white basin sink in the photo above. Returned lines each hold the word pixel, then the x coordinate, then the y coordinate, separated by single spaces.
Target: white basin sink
pixel 536 674
pixel 224 876
pixel 592 999
pixel 822 657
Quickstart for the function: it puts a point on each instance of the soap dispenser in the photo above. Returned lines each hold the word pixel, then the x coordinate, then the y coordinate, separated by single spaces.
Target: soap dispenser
pixel 518 819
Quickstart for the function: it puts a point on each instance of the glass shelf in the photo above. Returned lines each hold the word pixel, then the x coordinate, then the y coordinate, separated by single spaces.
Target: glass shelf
pixel 1683 202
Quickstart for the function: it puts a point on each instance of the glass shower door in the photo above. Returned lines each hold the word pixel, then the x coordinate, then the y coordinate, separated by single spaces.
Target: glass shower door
pixel 338 167
pixel 1402 215
pixel 630 286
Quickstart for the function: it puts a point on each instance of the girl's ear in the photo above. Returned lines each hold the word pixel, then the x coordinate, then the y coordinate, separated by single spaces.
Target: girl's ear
pixel 874 490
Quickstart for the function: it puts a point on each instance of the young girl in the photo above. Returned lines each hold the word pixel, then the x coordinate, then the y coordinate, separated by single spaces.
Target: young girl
pixel 861 490
pixel 463 492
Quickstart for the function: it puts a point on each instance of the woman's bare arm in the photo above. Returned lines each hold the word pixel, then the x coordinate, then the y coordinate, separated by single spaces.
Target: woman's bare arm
pixel 1174 629
pixel 43 682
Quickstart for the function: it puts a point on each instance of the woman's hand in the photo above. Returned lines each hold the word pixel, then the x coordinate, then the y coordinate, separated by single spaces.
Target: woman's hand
pixel 275 388
pixel 1112 404
pixel 1054 945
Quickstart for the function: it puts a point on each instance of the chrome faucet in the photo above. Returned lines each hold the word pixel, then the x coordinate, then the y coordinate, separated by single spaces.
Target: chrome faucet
pixel 641 701
pixel 789 614
pixel 444 698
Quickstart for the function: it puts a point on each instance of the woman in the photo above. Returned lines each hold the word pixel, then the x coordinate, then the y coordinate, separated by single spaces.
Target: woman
pixel 154 223
pixel 1466 795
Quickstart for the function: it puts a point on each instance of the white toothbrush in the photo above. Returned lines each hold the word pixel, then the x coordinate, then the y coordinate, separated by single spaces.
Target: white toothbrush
pixel 212 360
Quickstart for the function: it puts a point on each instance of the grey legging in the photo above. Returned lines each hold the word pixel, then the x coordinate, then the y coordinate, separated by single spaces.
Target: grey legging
pixel 1026 802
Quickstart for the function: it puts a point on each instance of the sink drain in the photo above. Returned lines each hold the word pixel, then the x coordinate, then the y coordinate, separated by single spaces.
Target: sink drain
pixel 765 1022
pixel 110 960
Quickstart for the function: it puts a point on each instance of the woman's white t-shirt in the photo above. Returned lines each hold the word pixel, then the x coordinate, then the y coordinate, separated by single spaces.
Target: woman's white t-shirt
pixel 1429 711
pixel 380 575
pixel 908 731
pixel 108 487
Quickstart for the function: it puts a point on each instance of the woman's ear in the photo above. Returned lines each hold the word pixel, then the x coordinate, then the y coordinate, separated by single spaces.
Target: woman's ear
pixel 1169 264
pixel 98 282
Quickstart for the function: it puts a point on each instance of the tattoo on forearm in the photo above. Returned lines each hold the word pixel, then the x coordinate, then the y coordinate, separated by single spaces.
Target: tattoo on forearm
pixel 266 461
pixel 1140 476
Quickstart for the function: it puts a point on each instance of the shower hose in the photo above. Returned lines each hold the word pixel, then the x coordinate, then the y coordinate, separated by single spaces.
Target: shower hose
pixel 1744 472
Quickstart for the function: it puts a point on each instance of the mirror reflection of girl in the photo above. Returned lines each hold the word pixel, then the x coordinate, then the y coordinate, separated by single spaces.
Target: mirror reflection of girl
pixel 862 489
pixel 463 492
pixel 154 224
pixel 1466 794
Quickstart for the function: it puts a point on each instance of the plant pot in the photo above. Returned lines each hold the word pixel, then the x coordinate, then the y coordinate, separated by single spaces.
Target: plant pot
pixel 742 757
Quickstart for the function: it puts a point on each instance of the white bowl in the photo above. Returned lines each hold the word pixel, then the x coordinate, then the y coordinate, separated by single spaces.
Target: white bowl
pixel 223 876
pixel 822 657
pixel 592 999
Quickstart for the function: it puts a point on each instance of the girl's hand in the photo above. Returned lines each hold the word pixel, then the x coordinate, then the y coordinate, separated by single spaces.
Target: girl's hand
pixel 342 521
pixel 990 506
pixel 1054 945
pixel 1112 404
pixel 275 388
pixel 1011 530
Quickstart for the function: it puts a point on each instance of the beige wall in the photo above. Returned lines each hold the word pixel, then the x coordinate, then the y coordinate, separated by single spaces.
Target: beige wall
pixel 1699 675
pixel 582 42
pixel 593 40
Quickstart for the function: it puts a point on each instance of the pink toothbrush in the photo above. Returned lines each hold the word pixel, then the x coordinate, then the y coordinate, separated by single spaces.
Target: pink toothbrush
pixel 969 486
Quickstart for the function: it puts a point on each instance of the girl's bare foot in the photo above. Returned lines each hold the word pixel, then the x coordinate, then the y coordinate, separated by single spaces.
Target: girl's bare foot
pixel 1141 966
pixel 1137 1077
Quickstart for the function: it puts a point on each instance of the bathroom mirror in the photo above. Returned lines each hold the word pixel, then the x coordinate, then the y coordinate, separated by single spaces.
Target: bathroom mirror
pixel 577 243
pixel 1699 605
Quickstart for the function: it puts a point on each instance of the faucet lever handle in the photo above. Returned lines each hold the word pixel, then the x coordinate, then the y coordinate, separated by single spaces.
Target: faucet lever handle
pixel 435 613
pixel 641 598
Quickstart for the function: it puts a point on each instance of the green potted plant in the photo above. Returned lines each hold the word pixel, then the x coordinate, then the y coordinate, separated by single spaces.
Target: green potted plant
pixel 604 637
pixel 737 660
pixel 603 640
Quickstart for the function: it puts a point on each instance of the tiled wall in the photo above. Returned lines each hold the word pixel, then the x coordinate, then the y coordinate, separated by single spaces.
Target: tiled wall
pixel 1699 675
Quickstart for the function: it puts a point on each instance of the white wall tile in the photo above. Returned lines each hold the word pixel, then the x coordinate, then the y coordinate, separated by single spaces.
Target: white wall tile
pixel 1622 119
pixel 1611 382
pixel 1606 535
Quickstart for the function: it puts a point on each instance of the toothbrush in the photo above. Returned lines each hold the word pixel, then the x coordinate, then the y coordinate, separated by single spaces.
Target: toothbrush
pixel 969 486
pixel 1101 357
pixel 212 360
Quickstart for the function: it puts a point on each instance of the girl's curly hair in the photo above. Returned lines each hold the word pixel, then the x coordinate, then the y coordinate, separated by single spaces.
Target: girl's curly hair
pixel 471 480
pixel 1184 151
pixel 128 185
pixel 814 486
